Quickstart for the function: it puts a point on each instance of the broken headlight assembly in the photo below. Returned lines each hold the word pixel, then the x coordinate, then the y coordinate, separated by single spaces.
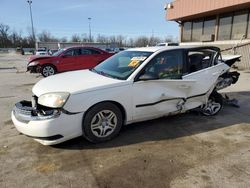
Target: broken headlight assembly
pixel 34 63
pixel 53 100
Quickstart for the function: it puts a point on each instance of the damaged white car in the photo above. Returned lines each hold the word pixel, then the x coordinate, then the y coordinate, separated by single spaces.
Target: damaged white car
pixel 133 85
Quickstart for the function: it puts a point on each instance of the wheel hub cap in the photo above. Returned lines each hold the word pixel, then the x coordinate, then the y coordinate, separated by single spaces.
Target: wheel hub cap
pixel 211 108
pixel 47 71
pixel 103 123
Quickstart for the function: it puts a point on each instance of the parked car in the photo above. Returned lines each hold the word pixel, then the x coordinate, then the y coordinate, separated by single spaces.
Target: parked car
pixel 41 51
pixel 19 50
pixel 168 44
pixel 52 51
pixel 116 50
pixel 131 86
pixel 67 59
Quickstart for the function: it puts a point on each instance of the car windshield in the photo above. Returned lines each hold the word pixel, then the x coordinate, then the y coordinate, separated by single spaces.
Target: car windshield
pixel 121 65
pixel 58 52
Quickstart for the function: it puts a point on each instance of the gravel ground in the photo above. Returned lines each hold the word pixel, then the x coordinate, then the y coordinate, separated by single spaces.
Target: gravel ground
pixel 187 150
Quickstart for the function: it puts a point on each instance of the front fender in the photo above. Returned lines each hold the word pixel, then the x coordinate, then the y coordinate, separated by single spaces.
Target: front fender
pixel 83 101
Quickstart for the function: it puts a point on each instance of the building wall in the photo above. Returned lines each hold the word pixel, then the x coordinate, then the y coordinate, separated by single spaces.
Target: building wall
pixel 189 9
pixel 230 21
pixel 230 26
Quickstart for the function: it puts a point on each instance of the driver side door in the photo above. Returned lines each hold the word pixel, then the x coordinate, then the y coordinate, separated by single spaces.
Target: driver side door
pixel 69 60
pixel 166 91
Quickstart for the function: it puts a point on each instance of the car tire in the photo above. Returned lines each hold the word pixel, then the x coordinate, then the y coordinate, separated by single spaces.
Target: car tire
pixel 214 105
pixel 48 70
pixel 102 122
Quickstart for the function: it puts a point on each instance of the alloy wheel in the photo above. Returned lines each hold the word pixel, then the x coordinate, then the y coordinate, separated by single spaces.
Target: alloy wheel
pixel 211 108
pixel 103 123
pixel 48 71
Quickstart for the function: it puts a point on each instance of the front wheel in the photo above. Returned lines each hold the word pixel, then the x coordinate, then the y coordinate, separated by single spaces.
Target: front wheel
pixel 48 70
pixel 213 106
pixel 102 122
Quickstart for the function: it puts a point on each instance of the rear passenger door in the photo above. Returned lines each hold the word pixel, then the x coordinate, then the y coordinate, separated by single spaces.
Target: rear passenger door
pixel 98 56
pixel 201 69
pixel 89 58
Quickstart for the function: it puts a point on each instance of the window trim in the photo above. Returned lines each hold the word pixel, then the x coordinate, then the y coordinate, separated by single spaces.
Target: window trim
pixel 64 53
pixel 248 22
pixel 209 19
pixel 184 64
pixel 195 21
pixel 191 33
pixel 217 26
pixel 237 13
pixel 212 60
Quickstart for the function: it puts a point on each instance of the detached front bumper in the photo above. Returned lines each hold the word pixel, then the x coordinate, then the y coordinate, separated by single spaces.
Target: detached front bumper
pixel 47 126
pixel 34 69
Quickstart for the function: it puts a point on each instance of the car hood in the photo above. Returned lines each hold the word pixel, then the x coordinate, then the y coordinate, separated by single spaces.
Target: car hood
pixel 37 57
pixel 75 82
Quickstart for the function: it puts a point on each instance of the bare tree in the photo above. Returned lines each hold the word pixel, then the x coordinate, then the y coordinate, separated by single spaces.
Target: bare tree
pixel 63 39
pixel 120 39
pixel 12 38
pixel 154 40
pixel 112 39
pixel 141 41
pixel 4 34
pixel 130 42
pixel 30 38
pixel 169 38
pixel 26 42
pixel 75 38
pixel 45 36
pixel 16 39
pixel 85 37
pixel 102 39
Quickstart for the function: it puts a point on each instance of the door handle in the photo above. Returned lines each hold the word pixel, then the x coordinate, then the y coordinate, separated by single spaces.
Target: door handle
pixel 215 73
pixel 184 86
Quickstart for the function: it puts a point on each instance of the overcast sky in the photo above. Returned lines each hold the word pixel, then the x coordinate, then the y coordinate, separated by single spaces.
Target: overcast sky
pixel 61 18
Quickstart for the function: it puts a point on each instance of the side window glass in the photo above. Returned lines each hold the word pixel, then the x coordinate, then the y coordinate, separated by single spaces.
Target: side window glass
pixel 167 65
pixel 94 52
pixel 217 59
pixel 69 53
pixel 198 60
pixel 77 52
pixel 72 52
pixel 85 51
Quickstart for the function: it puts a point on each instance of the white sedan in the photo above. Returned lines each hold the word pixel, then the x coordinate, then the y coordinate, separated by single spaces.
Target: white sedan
pixel 131 86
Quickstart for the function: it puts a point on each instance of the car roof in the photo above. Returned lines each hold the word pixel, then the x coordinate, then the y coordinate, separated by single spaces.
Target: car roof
pixel 163 48
pixel 66 48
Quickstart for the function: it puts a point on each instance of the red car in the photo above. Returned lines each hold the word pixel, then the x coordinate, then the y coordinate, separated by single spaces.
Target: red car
pixel 67 59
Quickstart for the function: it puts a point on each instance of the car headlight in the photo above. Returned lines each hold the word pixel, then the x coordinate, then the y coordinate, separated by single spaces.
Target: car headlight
pixel 34 63
pixel 53 100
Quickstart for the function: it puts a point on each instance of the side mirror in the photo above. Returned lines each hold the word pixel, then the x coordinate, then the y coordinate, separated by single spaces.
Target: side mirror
pixel 63 56
pixel 148 76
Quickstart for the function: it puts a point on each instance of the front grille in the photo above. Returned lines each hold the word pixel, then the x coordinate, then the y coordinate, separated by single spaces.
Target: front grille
pixel 26 111
pixel 23 107
pixel 34 101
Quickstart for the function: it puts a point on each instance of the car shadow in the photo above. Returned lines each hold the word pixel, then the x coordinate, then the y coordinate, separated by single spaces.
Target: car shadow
pixel 171 127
